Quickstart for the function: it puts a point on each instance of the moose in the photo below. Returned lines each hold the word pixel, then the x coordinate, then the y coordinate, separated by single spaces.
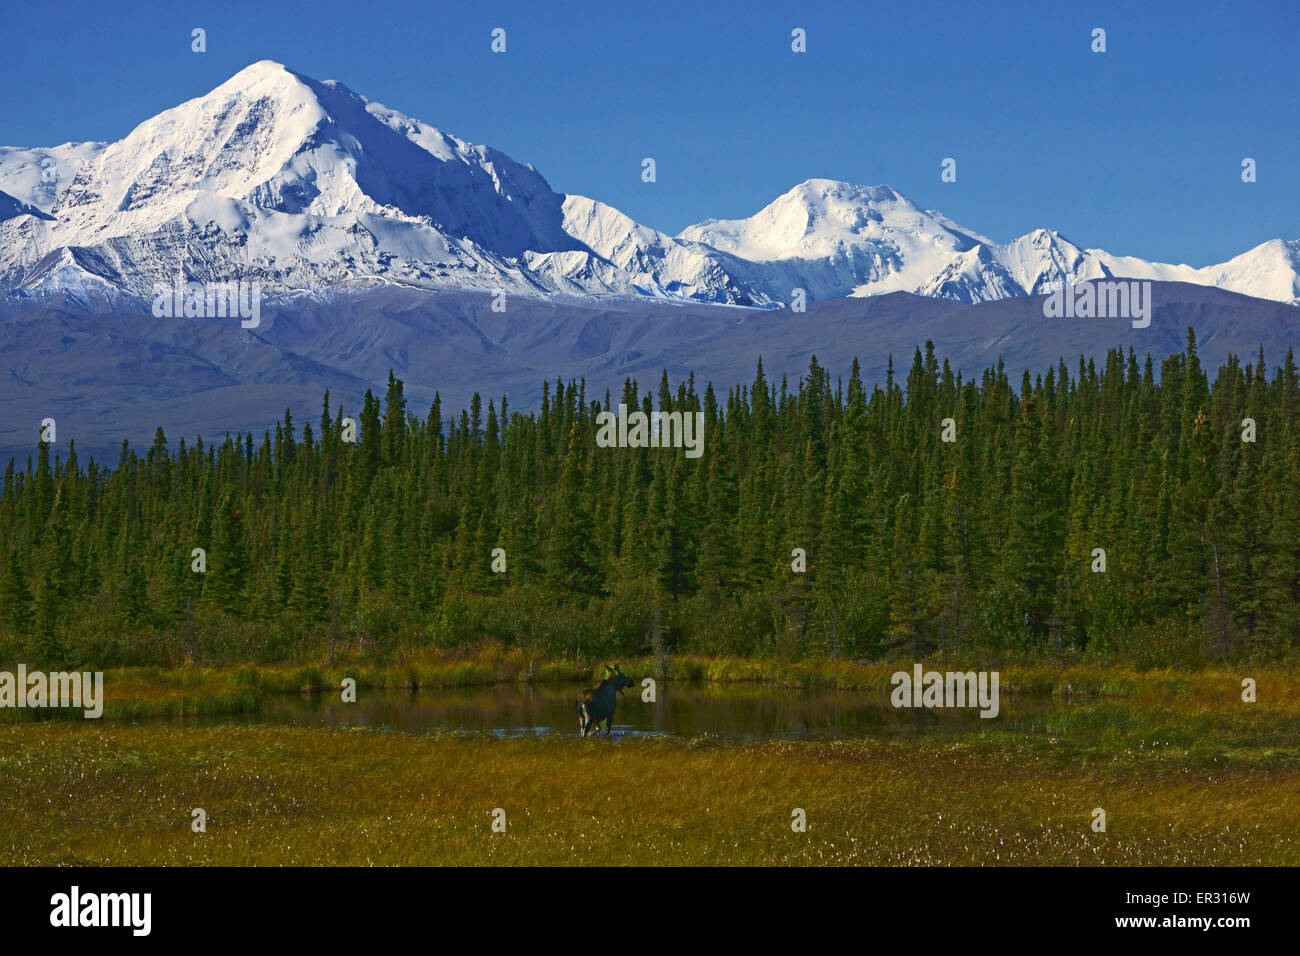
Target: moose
pixel 597 705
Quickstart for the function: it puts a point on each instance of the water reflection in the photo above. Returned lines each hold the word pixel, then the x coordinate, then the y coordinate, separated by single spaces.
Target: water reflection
pixel 744 712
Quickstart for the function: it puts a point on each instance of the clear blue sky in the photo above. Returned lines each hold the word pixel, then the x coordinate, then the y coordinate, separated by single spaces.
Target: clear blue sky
pixel 1136 150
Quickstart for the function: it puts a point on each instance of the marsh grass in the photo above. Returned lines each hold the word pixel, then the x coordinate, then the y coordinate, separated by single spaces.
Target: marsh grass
pixel 1187 773
pixel 87 793
pixel 199 690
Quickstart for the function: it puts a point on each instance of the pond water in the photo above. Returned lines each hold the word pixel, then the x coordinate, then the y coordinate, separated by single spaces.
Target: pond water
pixel 745 712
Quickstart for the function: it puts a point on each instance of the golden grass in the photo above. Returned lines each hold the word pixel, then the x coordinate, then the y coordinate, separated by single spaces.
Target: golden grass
pixel 92 793
pixel 1186 772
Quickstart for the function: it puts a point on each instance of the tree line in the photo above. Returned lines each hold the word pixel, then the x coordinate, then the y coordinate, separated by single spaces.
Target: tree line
pixel 1104 509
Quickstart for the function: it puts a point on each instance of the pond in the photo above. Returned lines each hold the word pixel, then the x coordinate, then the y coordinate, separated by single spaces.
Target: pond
pixel 736 711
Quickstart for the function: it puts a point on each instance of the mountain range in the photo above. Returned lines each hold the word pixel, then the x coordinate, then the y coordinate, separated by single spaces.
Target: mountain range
pixel 306 185
pixel 106 377
pixel 378 242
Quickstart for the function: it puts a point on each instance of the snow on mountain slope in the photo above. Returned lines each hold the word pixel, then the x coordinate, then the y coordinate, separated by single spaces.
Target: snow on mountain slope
pixel 658 264
pixel 37 176
pixel 274 140
pixel 1269 271
pixel 820 219
pixel 835 239
pixel 1042 260
pixel 82 279
pixel 301 185
pixel 277 177
pixel 976 275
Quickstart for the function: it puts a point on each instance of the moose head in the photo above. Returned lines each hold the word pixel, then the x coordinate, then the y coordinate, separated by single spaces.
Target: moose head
pixel 615 676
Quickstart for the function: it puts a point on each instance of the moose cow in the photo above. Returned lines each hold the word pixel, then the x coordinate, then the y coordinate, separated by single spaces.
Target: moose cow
pixel 597 705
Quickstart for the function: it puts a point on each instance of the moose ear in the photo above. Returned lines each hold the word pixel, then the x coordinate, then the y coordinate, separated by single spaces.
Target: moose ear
pixel 608 669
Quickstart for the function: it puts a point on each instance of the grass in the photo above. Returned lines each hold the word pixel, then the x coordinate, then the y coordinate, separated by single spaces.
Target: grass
pixel 83 793
pixel 1186 772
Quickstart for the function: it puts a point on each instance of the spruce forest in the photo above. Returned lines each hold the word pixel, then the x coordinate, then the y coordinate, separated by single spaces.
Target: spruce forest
pixel 1121 510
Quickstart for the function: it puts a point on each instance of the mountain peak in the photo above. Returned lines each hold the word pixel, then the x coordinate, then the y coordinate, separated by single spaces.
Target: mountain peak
pixel 824 189
pixel 259 69
pixel 263 78
pixel 830 219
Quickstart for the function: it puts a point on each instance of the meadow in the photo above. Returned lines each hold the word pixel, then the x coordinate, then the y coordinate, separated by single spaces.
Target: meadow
pixel 1186 772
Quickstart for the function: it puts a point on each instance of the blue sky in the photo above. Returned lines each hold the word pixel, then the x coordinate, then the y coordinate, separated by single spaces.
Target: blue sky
pixel 1137 150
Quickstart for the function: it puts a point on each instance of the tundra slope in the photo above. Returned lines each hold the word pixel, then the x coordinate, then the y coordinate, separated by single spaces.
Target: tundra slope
pixel 107 377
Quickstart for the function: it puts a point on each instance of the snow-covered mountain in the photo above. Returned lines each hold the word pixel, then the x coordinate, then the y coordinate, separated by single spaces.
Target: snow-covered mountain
pixel 37 176
pixel 300 184
pixel 835 239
